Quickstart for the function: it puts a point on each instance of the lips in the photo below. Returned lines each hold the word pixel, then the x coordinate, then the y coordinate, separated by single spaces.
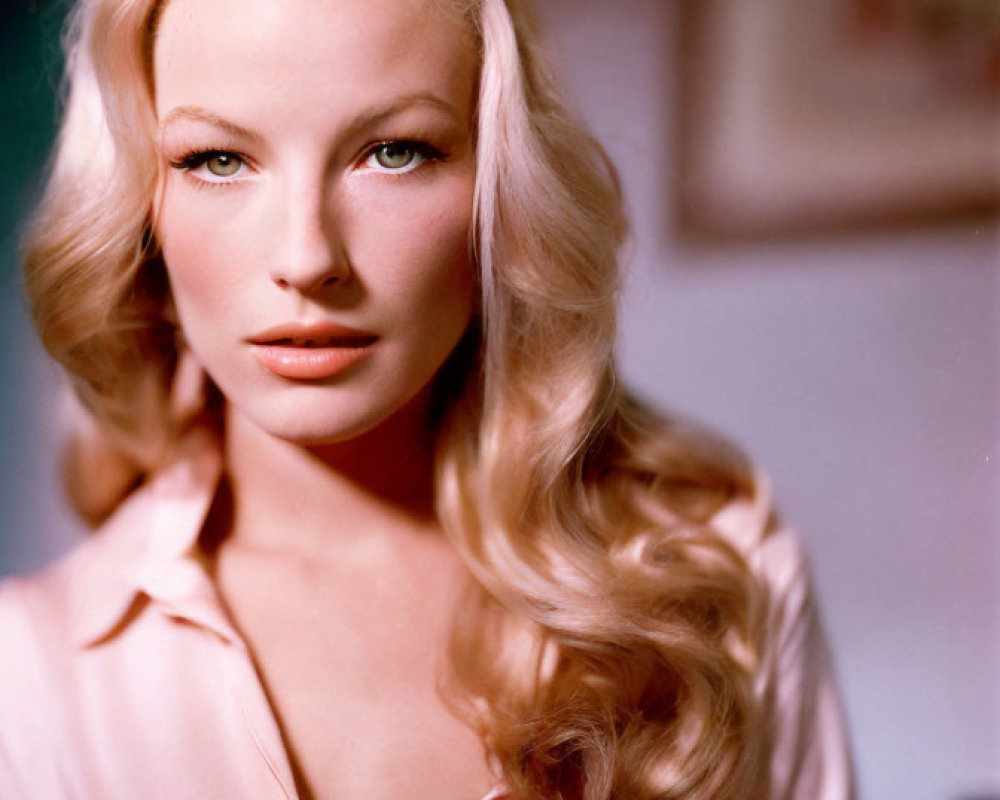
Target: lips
pixel 321 334
pixel 313 341
pixel 311 352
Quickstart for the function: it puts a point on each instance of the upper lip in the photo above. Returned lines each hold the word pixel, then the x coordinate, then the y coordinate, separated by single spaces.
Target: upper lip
pixel 317 334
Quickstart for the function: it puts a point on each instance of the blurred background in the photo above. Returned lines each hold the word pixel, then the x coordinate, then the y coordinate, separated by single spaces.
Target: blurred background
pixel 815 270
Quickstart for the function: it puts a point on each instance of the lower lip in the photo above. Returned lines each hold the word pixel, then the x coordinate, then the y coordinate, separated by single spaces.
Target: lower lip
pixel 308 363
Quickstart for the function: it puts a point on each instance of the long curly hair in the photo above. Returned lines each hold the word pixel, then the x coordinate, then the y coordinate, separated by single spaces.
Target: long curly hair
pixel 612 648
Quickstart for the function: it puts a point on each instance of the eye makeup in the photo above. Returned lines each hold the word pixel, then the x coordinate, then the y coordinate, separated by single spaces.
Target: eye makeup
pixel 213 166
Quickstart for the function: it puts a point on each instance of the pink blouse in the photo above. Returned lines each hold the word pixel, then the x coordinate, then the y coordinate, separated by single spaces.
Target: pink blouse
pixel 121 676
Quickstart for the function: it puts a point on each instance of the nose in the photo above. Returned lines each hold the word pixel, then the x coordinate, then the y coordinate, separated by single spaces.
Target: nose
pixel 310 255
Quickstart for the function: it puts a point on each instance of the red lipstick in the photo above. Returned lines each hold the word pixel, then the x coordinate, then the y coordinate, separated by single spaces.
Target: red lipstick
pixel 310 351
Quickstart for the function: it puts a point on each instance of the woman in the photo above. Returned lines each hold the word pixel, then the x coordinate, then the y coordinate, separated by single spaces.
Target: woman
pixel 408 537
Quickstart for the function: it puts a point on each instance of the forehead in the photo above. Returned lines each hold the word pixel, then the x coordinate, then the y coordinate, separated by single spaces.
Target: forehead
pixel 231 51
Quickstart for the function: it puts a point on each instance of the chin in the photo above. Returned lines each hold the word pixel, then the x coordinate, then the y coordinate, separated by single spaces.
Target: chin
pixel 314 429
pixel 316 416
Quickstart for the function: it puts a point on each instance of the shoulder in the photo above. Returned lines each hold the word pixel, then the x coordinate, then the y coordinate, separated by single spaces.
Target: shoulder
pixel 77 598
pixel 790 637
pixel 45 616
pixel 773 550
pixel 90 582
pixel 42 680
pixel 795 678
pixel 791 640
pixel 52 613
pixel 34 629
pixel 22 609
pixel 37 611
pixel 34 647
pixel 71 648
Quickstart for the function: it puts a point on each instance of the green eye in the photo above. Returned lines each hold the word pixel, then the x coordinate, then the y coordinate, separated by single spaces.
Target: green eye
pixel 224 165
pixel 395 155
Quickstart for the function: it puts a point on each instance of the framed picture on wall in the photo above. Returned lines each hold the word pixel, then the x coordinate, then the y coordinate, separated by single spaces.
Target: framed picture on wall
pixel 811 115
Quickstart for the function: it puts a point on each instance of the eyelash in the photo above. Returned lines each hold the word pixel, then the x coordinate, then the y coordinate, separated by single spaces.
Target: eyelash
pixel 422 150
pixel 198 158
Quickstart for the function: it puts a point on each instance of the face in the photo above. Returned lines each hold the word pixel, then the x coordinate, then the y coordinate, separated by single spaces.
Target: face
pixel 316 202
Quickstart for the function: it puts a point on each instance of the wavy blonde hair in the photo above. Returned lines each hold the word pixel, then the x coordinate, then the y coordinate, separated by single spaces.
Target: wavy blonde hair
pixel 612 648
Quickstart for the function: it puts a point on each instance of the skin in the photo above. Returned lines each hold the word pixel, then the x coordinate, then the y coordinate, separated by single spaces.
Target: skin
pixel 328 554
pixel 311 228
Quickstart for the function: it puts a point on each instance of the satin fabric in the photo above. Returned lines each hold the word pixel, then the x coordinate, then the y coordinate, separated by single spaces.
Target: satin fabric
pixel 121 675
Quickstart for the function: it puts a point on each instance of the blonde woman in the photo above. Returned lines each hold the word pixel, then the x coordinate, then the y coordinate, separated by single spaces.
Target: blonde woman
pixel 334 282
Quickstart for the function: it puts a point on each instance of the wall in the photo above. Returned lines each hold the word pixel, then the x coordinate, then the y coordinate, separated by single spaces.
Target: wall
pixel 36 526
pixel 862 371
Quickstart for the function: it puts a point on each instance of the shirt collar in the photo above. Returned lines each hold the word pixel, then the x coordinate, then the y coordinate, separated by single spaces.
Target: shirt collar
pixel 147 553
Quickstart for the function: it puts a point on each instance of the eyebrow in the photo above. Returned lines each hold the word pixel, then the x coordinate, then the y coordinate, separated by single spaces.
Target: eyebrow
pixel 380 113
pixel 199 114
pixel 365 119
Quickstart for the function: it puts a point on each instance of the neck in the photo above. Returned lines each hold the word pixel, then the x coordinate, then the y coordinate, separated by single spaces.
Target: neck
pixel 320 499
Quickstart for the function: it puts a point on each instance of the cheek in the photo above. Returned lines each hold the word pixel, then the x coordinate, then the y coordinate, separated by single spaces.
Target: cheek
pixel 420 242
pixel 202 252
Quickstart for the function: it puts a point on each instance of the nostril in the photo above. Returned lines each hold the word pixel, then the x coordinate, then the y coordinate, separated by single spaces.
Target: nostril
pixel 308 279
